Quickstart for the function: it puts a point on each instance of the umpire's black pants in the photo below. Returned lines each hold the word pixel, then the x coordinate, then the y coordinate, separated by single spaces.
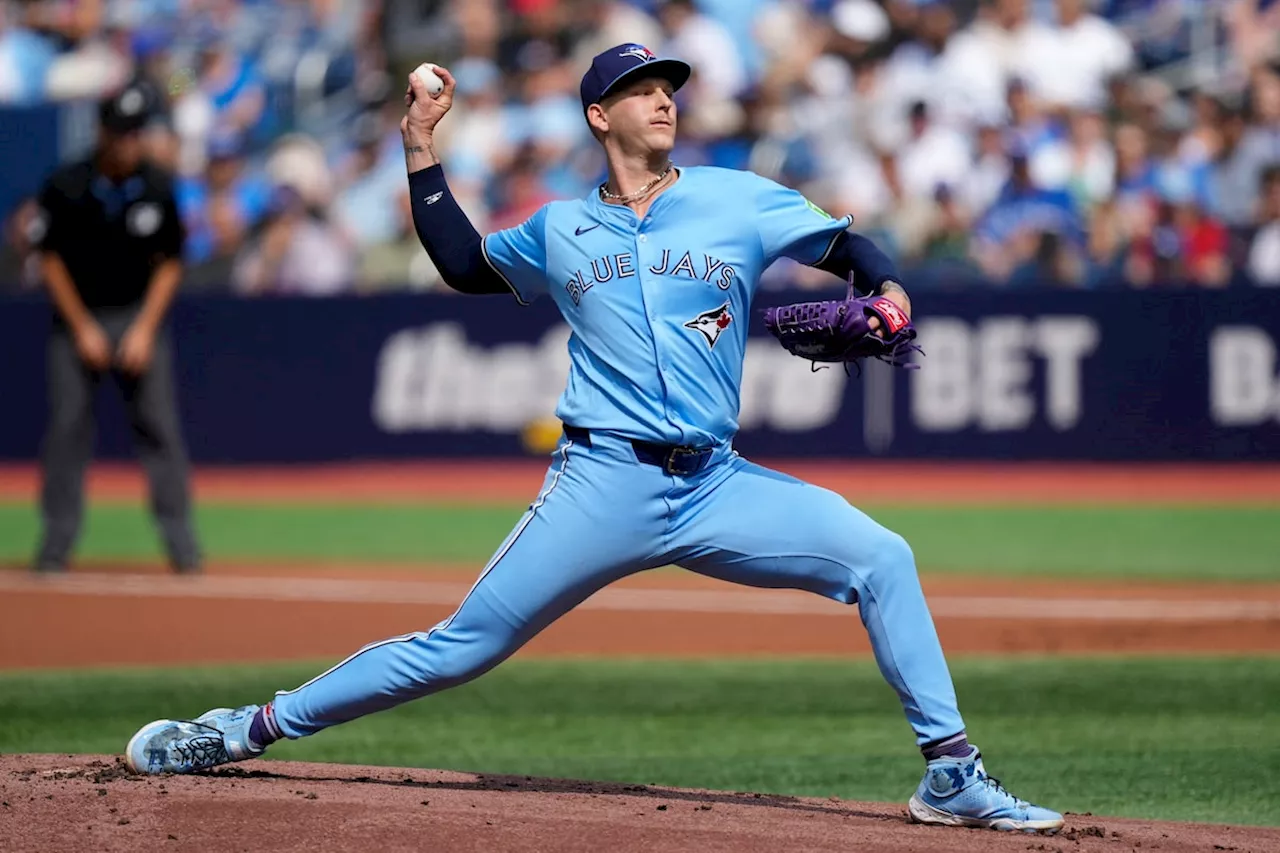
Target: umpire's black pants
pixel 69 438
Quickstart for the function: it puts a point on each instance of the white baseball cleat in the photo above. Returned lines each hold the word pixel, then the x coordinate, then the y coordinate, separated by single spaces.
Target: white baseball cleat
pixel 216 737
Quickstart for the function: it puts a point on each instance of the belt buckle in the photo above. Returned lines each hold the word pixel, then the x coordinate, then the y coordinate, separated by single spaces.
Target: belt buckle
pixel 676 453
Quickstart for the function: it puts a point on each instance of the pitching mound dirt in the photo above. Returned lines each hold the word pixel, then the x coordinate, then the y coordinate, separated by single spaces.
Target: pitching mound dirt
pixel 65 802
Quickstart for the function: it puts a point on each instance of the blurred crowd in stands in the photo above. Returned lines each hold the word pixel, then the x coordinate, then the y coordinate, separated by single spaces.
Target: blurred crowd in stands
pixel 1011 142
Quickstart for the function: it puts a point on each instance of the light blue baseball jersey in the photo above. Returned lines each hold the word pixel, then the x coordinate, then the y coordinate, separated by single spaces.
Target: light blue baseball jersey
pixel 659 307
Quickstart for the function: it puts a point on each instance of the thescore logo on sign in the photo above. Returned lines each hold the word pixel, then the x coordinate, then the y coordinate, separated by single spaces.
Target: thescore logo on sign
pixel 978 375
pixel 433 379
pixel 1243 387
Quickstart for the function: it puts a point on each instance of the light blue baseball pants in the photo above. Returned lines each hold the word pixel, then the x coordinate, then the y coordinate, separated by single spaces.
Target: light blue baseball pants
pixel 602 515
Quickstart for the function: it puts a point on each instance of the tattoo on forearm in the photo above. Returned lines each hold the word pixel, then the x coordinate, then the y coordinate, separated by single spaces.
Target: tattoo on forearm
pixel 428 150
pixel 894 287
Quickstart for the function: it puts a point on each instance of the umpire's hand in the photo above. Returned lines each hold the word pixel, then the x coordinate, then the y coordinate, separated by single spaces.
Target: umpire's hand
pixel 136 349
pixel 92 345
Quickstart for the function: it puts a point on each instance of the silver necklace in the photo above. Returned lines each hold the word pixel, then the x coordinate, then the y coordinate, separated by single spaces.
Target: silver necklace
pixel 638 194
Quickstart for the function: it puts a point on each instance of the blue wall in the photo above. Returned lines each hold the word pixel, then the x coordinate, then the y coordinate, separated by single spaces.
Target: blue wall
pixel 1008 375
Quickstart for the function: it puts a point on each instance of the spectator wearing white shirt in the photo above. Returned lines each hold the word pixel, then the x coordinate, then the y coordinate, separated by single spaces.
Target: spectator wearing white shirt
pixel 479 142
pixel 1003 42
pixel 932 154
pixel 740 19
pixel 1085 52
pixel 610 22
pixel 718 70
pixel 988 172
pixel 914 71
pixel 1084 164
pixel 827 108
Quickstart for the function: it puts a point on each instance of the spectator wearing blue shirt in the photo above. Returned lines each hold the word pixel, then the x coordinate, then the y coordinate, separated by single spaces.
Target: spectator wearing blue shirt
pixel 1028 127
pixel 1009 233
pixel 1136 175
pixel 235 89
pixel 25 59
pixel 223 204
pixel 366 207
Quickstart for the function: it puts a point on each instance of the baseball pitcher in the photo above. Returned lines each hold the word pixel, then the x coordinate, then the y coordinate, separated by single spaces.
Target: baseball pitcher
pixel 654 273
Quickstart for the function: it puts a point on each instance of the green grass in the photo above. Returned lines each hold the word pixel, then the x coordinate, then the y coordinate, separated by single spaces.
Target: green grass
pixel 326 533
pixel 1226 543
pixel 1181 739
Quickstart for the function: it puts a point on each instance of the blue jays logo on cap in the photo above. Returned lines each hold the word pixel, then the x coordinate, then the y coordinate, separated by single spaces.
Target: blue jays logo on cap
pixel 640 52
pixel 626 63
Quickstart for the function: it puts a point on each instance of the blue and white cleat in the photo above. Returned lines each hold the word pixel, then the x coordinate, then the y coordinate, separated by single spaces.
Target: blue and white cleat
pixel 958 792
pixel 216 737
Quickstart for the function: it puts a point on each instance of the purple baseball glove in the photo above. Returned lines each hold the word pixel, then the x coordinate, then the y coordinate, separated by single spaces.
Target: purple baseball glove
pixel 840 330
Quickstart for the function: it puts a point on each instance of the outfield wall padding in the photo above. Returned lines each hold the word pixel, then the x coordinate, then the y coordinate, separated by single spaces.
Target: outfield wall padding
pixel 1115 375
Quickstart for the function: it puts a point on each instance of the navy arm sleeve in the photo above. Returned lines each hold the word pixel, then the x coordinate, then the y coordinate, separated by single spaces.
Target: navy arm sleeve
pixel 450 239
pixel 856 259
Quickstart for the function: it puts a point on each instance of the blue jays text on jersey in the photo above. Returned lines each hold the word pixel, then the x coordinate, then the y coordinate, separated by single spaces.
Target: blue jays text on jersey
pixel 622 266
pixel 658 307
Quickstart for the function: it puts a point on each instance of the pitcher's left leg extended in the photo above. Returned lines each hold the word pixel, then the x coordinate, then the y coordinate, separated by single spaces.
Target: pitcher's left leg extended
pixel 753 526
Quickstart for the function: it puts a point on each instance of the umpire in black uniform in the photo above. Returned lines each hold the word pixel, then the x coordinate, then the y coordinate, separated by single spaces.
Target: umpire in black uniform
pixel 111 258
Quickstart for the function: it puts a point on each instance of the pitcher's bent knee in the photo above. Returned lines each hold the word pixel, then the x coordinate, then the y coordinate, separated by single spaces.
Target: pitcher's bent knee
pixel 892 553
pixel 876 551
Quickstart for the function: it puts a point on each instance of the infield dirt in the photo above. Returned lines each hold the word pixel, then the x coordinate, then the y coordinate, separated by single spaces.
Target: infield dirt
pixel 55 803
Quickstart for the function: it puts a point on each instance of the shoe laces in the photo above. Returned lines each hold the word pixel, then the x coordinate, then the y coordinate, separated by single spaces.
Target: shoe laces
pixel 994 784
pixel 201 749
pixel 213 730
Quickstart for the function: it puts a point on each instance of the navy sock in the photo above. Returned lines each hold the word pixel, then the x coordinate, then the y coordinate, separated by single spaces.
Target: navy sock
pixel 956 746
pixel 263 730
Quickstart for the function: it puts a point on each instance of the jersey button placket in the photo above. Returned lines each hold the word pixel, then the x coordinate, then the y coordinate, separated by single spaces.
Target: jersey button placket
pixel 650 311
pixel 651 290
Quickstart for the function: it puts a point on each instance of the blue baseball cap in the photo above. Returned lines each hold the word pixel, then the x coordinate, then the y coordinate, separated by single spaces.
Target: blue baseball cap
pixel 624 64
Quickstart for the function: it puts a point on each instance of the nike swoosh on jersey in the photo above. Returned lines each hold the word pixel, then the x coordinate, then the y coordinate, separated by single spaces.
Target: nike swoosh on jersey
pixel 579 231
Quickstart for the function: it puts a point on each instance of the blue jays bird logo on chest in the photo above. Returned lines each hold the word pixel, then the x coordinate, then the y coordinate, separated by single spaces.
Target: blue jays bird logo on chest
pixel 711 323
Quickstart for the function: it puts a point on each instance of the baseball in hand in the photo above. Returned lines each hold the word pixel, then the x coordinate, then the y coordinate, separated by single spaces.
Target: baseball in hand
pixel 427 74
